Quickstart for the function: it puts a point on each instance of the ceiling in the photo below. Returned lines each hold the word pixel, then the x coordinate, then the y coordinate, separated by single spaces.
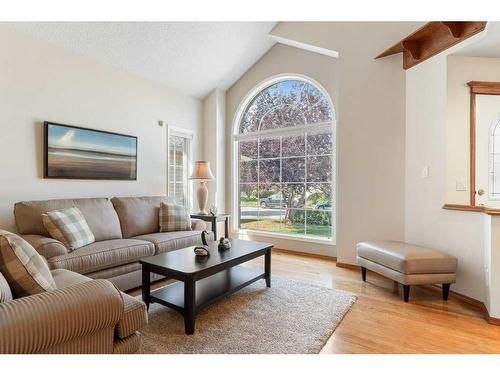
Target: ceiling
pixel 195 57
pixel 487 46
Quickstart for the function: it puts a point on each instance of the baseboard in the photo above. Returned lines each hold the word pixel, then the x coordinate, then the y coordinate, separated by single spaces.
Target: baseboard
pixel 469 300
pixel 349 266
pixel 310 255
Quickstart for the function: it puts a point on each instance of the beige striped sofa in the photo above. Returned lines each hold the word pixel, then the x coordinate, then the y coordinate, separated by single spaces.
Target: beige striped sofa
pixel 125 229
pixel 81 316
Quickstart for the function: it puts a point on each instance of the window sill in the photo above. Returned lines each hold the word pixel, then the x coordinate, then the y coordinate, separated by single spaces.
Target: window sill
pixel 259 233
pixel 464 207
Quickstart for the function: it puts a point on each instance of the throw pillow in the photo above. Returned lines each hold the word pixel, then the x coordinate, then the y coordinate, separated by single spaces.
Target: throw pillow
pixel 69 226
pixel 22 267
pixel 5 292
pixel 174 217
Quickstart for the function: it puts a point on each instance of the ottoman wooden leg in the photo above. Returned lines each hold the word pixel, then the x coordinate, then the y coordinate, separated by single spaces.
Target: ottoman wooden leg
pixel 446 291
pixel 406 292
pixel 363 273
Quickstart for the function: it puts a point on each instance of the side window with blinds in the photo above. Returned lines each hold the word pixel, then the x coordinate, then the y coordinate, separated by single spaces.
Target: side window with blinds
pixel 178 168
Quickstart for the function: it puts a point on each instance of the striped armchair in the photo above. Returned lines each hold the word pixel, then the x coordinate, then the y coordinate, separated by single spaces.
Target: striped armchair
pixel 81 316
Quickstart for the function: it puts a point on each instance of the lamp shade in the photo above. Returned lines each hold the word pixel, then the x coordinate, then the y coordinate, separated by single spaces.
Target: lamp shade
pixel 202 171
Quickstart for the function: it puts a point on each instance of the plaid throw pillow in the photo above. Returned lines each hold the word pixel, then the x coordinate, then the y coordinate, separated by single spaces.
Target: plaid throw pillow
pixel 23 268
pixel 174 217
pixel 68 226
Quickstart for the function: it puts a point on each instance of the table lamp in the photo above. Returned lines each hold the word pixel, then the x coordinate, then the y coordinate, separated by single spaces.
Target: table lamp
pixel 203 174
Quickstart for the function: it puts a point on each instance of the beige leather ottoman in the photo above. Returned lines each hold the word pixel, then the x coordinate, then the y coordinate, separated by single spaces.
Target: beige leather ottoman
pixel 407 264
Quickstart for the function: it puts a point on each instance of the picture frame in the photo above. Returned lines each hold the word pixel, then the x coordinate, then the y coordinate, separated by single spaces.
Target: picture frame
pixel 73 152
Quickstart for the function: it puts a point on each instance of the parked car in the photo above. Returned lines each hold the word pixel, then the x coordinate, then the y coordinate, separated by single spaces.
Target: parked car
pixel 324 206
pixel 273 201
pixel 278 201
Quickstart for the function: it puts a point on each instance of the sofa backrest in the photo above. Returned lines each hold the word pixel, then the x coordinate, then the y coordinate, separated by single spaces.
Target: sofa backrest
pixel 98 212
pixel 139 215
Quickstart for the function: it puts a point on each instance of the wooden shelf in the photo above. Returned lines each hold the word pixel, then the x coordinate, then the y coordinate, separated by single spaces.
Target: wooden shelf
pixel 208 290
pixel 432 38
pixel 464 207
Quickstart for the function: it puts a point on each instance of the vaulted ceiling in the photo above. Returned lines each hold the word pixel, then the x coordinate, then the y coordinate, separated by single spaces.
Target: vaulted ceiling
pixel 195 57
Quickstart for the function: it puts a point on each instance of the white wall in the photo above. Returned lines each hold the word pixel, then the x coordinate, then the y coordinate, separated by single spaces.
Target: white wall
pixel 370 128
pixel 39 81
pixel 214 124
pixel 462 69
pixel 458 233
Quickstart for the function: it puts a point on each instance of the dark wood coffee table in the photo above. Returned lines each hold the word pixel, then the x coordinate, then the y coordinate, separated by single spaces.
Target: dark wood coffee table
pixel 203 280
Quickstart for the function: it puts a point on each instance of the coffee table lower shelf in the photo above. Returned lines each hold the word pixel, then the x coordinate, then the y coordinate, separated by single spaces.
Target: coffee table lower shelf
pixel 208 290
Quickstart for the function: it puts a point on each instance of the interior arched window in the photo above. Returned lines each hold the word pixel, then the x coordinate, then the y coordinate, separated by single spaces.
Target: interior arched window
pixel 494 161
pixel 284 141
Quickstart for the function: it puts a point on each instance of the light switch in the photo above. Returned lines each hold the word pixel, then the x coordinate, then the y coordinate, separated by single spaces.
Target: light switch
pixel 425 171
pixel 460 185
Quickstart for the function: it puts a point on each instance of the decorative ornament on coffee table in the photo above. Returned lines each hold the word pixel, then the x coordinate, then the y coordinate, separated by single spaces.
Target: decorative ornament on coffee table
pixel 213 210
pixel 203 250
pixel 203 174
pixel 224 244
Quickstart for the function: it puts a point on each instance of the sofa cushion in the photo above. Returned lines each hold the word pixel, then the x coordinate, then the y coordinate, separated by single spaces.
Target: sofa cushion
pixel 64 278
pixel 174 217
pixel 69 226
pixel 139 215
pixel 45 246
pixel 102 255
pixel 168 241
pixel 406 258
pixel 5 292
pixel 134 316
pixel 23 268
pixel 99 213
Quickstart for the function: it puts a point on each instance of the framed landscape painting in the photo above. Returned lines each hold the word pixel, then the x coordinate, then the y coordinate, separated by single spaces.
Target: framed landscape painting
pixel 80 153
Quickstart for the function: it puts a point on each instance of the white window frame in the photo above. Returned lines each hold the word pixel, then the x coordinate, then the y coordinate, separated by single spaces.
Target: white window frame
pixel 236 136
pixel 189 135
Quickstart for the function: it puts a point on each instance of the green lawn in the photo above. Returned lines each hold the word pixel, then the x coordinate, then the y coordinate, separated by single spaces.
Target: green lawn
pixel 274 225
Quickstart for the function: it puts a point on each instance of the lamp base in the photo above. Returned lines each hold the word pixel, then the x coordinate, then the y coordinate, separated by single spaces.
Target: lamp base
pixel 202 194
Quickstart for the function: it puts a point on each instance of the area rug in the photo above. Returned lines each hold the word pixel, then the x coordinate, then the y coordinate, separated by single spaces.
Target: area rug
pixel 289 318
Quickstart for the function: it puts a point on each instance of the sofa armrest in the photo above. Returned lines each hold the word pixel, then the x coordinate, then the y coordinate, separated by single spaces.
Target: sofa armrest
pixel 38 322
pixel 197 224
pixel 45 246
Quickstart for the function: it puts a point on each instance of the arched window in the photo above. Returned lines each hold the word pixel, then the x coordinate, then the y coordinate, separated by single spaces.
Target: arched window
pixel 284 142
pixel 494 162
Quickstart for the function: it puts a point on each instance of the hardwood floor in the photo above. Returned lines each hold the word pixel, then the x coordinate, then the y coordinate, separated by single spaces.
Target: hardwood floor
pixel 380 322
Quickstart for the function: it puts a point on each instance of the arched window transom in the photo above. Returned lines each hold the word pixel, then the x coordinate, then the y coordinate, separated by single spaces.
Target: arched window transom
pixel 285 166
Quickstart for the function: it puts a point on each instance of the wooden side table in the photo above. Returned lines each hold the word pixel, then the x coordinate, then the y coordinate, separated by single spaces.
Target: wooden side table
pixel 214 219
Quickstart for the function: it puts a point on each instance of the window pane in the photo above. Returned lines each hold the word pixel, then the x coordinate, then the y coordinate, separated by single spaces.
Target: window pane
pixel 319 168
pixel 294 195
pixel 248 150
pixel 319 144
pixel 271 207
pixel 293 146
pixel 248 171
pixel 269 148
pixel 319 223
pixel 286 104
pixel 319 196
pixel 269 170
pixel 249 195
pixel 249 204
pixel 293 170
pixel 270 196
pixel 293 222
